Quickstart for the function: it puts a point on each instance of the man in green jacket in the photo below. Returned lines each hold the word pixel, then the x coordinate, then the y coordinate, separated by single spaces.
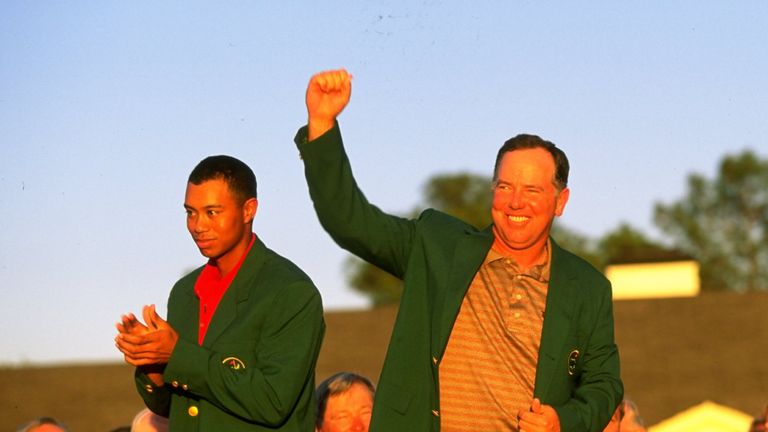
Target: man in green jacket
pixel 498 329
pixel 239 348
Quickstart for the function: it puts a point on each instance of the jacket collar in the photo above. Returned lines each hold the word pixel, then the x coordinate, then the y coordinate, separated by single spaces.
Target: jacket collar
pixel 238 292
pixel 558 318
pixel 468 256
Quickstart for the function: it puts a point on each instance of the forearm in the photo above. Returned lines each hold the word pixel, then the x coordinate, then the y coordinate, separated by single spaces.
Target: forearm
pixel 344 211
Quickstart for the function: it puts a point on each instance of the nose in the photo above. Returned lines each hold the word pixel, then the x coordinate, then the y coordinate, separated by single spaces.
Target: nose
pixel 196 224
pixel 358 424
pixel 515 200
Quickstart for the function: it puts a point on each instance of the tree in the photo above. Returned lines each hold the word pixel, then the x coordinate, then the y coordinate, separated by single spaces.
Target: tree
pixel 577 243
pixel 626 244
pixel 464 195
pixel 468 197
pixel 723 223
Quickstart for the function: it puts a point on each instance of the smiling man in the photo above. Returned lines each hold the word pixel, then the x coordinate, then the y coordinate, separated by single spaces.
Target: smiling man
pixel 239 348
pixel 498 329
pixel 344 403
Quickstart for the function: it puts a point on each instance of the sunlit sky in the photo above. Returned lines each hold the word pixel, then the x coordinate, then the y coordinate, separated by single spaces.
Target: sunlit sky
pixel 106 106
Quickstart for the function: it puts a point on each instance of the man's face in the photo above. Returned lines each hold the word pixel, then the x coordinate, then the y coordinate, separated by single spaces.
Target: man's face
pixel 525 201
pixel 218 223
pixel 47 427
pixel 348 411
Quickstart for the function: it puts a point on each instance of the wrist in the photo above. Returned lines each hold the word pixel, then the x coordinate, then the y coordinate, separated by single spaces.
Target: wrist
pixel 318 126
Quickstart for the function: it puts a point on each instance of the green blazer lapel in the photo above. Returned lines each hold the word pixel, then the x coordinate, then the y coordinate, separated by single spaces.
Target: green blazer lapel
pixel 238 292
pixel 468 255
pixel 187 305
pixel 558 318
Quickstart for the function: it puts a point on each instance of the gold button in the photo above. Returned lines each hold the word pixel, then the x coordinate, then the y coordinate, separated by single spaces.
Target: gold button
pixel 185 387
pixel 436 413
pixel 149 388
pixel 434 360
pixel 175 383
pixel 192 411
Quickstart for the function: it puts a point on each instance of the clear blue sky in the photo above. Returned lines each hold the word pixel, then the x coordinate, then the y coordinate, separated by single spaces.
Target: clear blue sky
pixel 106 106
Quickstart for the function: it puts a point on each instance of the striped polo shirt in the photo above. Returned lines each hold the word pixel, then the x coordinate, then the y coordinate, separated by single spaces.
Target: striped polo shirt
pixel 488 370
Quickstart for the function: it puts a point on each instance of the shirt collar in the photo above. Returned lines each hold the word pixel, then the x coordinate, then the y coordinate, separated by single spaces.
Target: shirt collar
pixel 539 272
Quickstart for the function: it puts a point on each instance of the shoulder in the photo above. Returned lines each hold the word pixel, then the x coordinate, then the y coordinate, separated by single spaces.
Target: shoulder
pixel 577 267
pixel 187 282
pixel 276 265
pixel 283 276
pixel 435 220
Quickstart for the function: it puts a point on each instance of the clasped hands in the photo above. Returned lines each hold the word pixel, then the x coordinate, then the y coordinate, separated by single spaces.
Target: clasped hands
pixel 148 343
pixel 540 418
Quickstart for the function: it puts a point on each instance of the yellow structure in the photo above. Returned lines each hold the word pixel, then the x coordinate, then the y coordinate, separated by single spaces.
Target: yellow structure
pixel 705 417
pixel 654 280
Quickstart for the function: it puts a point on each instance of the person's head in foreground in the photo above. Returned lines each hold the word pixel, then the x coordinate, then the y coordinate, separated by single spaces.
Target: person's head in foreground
pixel 147 421
pixel 344 403
pixel 43 424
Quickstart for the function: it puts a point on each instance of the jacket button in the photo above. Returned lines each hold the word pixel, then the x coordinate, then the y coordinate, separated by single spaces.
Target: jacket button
pixel 434 360
pixel 149 388
pixel 436 413
pixel 192 411
pixel 175 384
pixel 185 387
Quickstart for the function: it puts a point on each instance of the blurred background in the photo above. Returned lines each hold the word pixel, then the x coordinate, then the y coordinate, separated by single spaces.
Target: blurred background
pixel 105 107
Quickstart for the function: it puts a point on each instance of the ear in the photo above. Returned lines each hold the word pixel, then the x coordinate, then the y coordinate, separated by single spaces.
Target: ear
pixel 560 200
pixel 249 209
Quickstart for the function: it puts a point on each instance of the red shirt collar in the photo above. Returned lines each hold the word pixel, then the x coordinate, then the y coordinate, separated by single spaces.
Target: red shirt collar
pixel 210 288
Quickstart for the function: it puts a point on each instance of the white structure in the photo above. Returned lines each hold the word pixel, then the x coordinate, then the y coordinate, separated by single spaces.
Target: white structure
pixel 705 417
pixel 654 280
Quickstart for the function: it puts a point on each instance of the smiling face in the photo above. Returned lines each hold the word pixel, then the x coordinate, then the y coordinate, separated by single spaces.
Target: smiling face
pixel 348 411
pixel 219 223
pixel 525 202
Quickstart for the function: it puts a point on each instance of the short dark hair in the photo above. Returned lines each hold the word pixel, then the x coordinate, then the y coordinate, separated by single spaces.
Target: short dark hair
pixel 336 384
pixel 238 176
pixel 526 141
pixel 41 421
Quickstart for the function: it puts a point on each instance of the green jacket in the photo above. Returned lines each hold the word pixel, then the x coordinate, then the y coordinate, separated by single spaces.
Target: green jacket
pixel 256 368
pixel 437 257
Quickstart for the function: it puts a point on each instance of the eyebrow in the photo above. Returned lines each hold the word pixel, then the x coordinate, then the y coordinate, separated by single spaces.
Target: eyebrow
pixel 207 207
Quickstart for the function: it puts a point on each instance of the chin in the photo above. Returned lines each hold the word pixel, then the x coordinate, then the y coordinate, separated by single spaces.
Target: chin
pixel 207 253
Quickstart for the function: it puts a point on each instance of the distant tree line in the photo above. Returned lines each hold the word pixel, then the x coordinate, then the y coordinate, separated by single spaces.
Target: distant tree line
pixel 722 223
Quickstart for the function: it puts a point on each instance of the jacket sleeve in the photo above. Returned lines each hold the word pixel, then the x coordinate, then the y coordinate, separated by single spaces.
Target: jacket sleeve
pixel 156 398
pixel 267 391
pixel 354 224
pixel 599 389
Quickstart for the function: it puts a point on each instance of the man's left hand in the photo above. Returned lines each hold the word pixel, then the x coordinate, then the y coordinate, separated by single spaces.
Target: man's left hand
pixel 540 418
pixel 153 346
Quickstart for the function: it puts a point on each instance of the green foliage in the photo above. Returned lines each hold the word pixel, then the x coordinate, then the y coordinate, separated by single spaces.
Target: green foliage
pixel 723 223
pixel 577 243
pixel 466 196
pixel 628 245
pixel 379 286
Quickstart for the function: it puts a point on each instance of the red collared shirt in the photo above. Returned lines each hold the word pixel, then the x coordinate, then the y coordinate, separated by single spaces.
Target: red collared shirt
pixel 210 288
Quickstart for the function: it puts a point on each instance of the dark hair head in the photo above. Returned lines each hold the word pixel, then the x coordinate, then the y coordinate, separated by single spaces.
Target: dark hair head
pixel 237 175
pixel 525 141
pixel 336 384
pixel 41 421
